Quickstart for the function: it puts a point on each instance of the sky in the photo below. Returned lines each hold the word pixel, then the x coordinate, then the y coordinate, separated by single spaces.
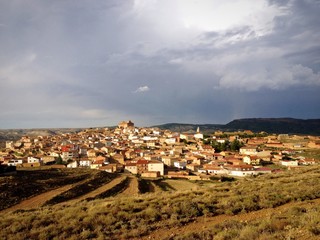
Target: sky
pixel 94 63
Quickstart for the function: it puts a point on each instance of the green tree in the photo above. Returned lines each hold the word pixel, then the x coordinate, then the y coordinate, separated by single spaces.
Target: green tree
pixel 235 145
pixel 59 160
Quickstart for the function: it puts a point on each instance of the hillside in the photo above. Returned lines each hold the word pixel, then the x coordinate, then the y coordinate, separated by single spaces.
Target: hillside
pixel 16 134
pixel 276 206
pixel 185 127
pixel 277 125
pixel 269 125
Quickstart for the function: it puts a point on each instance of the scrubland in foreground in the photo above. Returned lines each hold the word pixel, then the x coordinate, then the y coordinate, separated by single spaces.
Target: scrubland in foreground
pixel 138 216
pixel 29 183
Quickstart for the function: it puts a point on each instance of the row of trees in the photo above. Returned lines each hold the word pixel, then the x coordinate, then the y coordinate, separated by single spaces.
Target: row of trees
pixel 234 146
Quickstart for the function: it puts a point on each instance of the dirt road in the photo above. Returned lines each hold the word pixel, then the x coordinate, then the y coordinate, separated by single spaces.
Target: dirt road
pixel 39 200
pixel 132 189
pixel 101 189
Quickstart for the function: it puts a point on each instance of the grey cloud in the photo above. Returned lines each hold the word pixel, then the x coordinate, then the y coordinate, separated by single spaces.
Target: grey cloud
pixel 279 2
pixel 241 60
pixel 67 62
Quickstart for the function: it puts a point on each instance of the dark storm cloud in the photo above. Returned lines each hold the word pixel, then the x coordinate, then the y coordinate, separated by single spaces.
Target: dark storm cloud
pixel 91 63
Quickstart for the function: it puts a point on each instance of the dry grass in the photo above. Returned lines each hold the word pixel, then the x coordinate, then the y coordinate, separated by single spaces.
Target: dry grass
pixel 181 184
pixel 133 217
pixel 311 153
pixel 294 223
pixel 95 181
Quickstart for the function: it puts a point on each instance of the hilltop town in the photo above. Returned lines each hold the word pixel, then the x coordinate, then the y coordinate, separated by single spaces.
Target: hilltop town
pixel 155 153
pixel 129 182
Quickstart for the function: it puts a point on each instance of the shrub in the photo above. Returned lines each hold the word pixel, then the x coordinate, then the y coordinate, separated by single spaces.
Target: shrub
pixel 132 217
pixel 248 233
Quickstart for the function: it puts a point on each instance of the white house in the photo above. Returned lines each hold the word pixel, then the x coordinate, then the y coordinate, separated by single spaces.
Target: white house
pixel 168 160
pixel 187 137
pixel 254 160
pixel 248 150
pixel 241 170
pixel 216 170
pixel 170 141
pixel 85 163
pixel 180 164
pixel 156 166
pixel 33 160
pixel 15 162
pixel 73 164
pixel 54 154
pixel 9 144
pixel 131 167
pixel 289 163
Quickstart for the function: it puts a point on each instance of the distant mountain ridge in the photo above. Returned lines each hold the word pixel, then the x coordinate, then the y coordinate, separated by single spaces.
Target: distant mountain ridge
pixel 277 125
pixel 269 125
pixel 15 134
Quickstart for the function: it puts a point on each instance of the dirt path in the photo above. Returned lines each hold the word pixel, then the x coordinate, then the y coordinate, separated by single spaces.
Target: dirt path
pixel 97 191
pixel 132 189
pixel 39 200
pixel 203 223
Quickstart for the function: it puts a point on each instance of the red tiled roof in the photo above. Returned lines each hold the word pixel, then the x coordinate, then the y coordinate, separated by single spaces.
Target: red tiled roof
pixel 142 161
pixel 131 164
pixel 155 161
pixel 240 166
pixel 98 162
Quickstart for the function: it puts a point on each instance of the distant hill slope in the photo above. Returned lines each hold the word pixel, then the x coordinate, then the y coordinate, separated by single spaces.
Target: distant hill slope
pixel 15 134
pixel 185 127
pixel 270 125
pixel 277 125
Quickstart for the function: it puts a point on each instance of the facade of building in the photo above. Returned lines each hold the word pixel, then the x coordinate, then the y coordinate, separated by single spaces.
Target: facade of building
pixel 156 166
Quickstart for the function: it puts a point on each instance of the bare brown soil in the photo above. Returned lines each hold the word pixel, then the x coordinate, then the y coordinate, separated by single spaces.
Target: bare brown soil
pixel 98 191
pixel 132 189
pixel 204 223
pixel 28 184
pixel 39 200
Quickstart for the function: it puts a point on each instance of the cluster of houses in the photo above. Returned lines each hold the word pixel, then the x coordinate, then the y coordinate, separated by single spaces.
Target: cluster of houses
pixel 151 152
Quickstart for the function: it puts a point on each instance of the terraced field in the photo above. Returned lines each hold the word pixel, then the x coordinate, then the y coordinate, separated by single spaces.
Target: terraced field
pixel 132 189
pixel 39 200
pixel 50 187
pixel 121 206
pixel 27 184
